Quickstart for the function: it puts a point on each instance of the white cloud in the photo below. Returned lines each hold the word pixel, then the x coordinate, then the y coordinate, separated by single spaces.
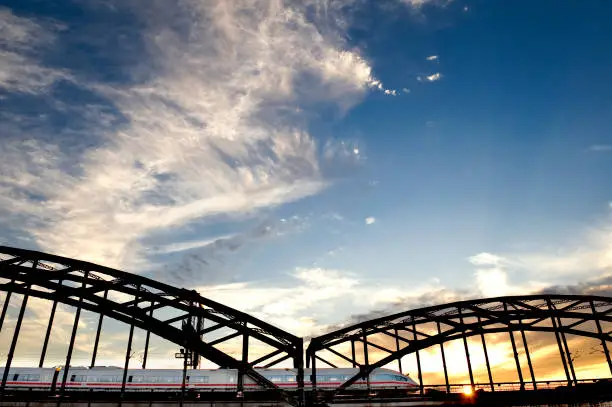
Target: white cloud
pixel 431 78
pixel 405 90
pixel 206 135
pixel 419 3
pixel 432 58
pixel 492 282
pixel 376 84
pixel 486 259
pixel 304 306
pixel 20 71
pixel 370 220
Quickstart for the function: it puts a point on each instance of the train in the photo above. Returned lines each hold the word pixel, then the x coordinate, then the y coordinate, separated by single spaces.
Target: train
pixel 198 380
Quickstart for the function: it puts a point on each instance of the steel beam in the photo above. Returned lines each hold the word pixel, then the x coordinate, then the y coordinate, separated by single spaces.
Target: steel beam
pixel 7 300
pixel 515 354
pixel 443 360
pixel 366 360
pixel 75 327
pixel 147 338
pixel 418 359
pixel 533 379
pixel 98 331
pixel 603 341
pixel 48 333
pixel 467 350
pixel 486 355
pixel 570 362
pixel 127 359
pixel 397 347
pixel 9 357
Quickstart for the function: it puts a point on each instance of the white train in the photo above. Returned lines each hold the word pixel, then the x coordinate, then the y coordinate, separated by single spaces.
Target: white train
pixel 200 380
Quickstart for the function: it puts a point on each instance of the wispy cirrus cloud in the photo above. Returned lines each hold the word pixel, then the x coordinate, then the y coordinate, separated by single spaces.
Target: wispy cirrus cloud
pixel 210 127
pixel 20 41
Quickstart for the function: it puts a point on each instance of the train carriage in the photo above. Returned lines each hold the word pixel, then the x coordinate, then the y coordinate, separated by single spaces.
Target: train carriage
pixel 199 380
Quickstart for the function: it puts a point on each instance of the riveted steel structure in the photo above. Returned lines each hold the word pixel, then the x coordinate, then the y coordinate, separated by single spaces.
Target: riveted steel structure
pixel 143 303
pixel 401 334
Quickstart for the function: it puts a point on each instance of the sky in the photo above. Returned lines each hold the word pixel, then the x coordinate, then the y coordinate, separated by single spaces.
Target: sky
pixel 308 162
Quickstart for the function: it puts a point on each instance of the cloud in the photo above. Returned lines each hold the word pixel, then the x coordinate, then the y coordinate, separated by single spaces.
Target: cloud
pixel 370 220
pixel 431 78
pixel 204 131
pixel 20 39
pixel 192 262
pixel 405 90
pixel 432 58
pixel 486 259
pixel 376 84
pixel 311 294
pixel 600 147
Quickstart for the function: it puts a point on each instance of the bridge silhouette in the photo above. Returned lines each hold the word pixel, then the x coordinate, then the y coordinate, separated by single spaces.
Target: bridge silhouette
pixel 184 317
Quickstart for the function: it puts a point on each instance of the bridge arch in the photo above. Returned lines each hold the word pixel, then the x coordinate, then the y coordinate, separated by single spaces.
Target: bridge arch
pixel 140 302
pixel 415 330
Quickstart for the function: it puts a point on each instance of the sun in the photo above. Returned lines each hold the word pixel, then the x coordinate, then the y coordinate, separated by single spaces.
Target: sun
pixel 467 390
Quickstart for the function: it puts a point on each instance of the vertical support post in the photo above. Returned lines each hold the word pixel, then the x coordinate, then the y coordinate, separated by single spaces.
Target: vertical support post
pixel 603 341
pixel 467 351
pixel 313 374
pixel 75 327
pixel 418 358
pixel 7 299
pixel 561 351
pixel 298 363
pixel 129 348
pixel 245 361
pixel 98 331
pixel 186 356
pixel 486 355
pixel 533 379
pixel 397 347
pixel 199 328
pixel 365 356
pixel 353 353
pixel 567 352
pixel 146 346
pixel 48 333
pixel 515 353
pixel 443 359
pixel 9 358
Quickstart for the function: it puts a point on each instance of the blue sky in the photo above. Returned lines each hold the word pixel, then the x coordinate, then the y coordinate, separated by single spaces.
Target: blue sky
pixel 293 159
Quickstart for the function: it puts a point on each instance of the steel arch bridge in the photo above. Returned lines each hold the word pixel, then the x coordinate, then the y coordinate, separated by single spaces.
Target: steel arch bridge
pixel 140 302
pixel 412 331
pixel 143 303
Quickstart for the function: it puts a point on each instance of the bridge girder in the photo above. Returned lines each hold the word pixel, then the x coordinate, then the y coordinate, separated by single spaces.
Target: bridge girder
pixel 464 319
pixel 139 301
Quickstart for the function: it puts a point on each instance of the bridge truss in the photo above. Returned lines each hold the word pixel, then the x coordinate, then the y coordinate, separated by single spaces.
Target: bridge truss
pixel 395 336
pixel 146 304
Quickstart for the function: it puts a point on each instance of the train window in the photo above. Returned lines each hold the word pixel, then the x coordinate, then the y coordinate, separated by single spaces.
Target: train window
pixel 199 379
pixel 78 378
pixel 29 377
pixel 16 376
pixel 110 379
pixel 172 379
pixel 275 379
pixel 291 378
pixel 136 379
pixel 153 379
